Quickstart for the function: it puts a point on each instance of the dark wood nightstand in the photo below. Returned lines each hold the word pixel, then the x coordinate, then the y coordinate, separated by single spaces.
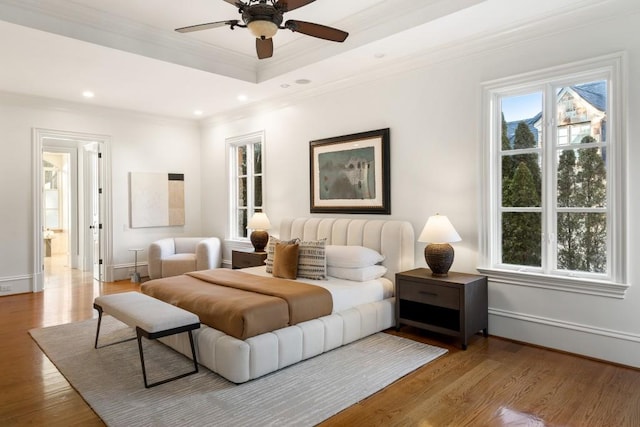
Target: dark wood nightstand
pixel 455 305
pixel 243 259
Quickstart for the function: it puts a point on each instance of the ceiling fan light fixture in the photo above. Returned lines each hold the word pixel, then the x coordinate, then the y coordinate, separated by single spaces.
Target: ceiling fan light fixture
pixel 262 29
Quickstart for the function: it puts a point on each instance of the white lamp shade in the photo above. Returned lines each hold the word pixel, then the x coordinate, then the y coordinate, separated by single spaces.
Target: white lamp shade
pixel 260 29
pixel 259 221
pixel 438 229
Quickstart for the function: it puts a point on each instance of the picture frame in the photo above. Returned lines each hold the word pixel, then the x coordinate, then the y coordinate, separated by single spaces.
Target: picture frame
pixel 351 173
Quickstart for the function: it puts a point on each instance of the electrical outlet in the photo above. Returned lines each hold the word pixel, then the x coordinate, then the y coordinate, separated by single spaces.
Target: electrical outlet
pixel 5 288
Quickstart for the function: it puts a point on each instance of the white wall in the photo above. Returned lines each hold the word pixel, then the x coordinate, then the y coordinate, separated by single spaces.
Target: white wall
pixel 138 143
pixel 434 113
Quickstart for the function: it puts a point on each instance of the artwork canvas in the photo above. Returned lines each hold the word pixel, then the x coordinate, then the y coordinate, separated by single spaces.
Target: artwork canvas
pixel 156 199
pixel 350 174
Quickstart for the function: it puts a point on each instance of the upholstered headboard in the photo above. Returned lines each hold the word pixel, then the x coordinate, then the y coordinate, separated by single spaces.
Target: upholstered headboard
pixel 393 239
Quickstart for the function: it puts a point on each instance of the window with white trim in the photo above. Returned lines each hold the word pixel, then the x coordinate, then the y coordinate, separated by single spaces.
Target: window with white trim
pixel 553 190
pixel 246 172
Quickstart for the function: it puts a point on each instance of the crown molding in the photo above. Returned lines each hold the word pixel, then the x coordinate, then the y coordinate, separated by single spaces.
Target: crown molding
pixel 90 25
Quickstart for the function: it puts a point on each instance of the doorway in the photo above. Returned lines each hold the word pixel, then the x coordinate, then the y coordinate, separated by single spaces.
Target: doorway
pixel 70 220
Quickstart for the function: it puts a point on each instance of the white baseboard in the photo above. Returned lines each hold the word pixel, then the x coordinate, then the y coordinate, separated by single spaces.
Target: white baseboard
pixel 124 271
pixel 10 285
pixel 587 340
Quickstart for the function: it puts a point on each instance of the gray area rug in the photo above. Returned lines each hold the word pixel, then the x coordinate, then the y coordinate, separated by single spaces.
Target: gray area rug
pixel 110 379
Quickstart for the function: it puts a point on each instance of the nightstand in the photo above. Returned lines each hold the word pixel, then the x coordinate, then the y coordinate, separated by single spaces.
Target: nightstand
pixel 242 259
pixel 456 305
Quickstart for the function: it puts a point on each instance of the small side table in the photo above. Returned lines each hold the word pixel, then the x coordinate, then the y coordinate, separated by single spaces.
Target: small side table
pixel 47 246
pixel 243 259
pixel 456 305
pixel 135 277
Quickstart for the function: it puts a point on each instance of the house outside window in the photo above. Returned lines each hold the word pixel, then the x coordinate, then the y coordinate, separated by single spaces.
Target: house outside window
pixel 246 172
pixel 554 184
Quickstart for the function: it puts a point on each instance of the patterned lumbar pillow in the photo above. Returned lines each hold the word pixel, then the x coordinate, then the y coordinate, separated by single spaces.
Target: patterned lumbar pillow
pixel 312 262
pixel 271 248
pixel 285 260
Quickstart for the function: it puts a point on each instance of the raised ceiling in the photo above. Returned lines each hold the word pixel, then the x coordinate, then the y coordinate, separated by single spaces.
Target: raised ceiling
pixel 128 54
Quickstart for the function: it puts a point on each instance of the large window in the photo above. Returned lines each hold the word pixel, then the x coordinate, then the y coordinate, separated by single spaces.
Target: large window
pixel 554 186
pixel 246 173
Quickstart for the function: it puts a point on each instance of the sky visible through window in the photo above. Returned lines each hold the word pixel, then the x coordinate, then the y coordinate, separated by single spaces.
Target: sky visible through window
pixel 521 107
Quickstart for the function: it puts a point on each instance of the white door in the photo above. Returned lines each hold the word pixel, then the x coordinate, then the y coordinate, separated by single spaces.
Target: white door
pixel 94 203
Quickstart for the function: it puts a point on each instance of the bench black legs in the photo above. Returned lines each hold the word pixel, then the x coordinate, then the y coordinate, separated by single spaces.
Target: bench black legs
pixel 142 333
pixel 154 335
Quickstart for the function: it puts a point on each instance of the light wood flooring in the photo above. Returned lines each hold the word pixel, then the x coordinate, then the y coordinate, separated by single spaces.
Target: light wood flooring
pixel 494 383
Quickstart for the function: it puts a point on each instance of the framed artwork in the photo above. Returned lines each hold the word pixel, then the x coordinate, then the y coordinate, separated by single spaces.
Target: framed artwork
pixel 350 174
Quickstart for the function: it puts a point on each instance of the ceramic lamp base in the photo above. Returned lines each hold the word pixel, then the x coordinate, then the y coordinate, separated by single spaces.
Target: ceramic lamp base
pixel 439 257
pixel 259 239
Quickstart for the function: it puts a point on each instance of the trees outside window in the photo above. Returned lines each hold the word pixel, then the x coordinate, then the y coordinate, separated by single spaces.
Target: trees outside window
pixel 555 204
pixel 246 172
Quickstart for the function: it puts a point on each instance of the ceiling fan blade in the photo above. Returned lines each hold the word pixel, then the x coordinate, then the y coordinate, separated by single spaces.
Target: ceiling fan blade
pixel 235 3
pixel 206 26
pixel 264 48
pixel 289 5
pixel 316 30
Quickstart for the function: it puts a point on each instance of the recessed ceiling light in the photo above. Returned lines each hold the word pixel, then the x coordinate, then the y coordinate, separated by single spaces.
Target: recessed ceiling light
pixel 197 112
pixel 379 55
pixel 284 85
pixel 242 97
pixel 303 81
pixel 88 94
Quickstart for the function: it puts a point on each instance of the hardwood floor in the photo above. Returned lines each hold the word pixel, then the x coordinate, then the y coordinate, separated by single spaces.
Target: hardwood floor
pixel 494 383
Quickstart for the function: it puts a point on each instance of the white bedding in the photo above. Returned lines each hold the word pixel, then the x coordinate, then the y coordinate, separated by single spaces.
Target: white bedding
pixel 345 293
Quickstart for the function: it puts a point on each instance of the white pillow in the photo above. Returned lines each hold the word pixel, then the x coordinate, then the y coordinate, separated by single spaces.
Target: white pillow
pixel 351 256
pixel 363 274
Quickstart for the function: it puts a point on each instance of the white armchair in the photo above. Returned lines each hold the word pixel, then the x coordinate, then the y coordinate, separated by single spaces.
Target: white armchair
pixel 179 255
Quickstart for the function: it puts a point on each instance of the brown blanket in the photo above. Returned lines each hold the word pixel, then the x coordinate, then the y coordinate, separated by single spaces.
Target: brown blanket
pixel 241 304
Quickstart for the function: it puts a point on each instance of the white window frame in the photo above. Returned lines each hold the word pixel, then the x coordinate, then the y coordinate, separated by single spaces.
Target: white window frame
pixel 613 284
pixel 233 144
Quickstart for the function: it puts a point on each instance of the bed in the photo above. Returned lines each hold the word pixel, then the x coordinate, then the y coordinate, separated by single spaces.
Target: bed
pixel 359 308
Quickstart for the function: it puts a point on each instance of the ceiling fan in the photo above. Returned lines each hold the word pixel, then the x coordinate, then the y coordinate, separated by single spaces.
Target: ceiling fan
pixel 264 18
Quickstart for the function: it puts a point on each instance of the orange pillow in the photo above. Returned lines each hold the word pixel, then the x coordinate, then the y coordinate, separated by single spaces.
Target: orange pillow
pixel 285 260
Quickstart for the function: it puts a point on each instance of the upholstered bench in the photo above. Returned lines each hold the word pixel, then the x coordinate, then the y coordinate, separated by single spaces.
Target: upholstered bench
pixel 152 319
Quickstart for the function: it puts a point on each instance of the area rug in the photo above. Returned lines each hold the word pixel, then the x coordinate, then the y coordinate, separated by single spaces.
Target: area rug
pixel 304 394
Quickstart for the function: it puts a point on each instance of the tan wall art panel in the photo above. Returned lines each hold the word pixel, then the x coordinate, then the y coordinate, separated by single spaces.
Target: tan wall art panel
pixel 156 199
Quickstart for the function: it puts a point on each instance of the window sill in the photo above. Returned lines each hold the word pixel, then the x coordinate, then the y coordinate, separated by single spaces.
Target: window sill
pixel 566 284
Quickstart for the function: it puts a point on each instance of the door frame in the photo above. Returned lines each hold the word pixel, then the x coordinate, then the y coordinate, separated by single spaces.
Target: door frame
pixel 80 140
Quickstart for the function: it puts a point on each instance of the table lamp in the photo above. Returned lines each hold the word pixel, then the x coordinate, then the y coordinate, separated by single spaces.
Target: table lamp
pixel 439 232
pixel 259 223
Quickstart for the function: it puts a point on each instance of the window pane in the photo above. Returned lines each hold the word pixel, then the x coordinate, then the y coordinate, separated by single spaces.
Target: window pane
pixel 582 111
pixel 521 181
pixel 242 223
pixel 242 192
pixel 257 158
pixel 257 189
pixel 521 238
pixel 582 177
pixel 582 242
pixel 242 160
pixel 521 121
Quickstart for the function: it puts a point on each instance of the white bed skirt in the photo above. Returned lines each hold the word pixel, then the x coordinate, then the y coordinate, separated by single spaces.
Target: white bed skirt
pixel 240 361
